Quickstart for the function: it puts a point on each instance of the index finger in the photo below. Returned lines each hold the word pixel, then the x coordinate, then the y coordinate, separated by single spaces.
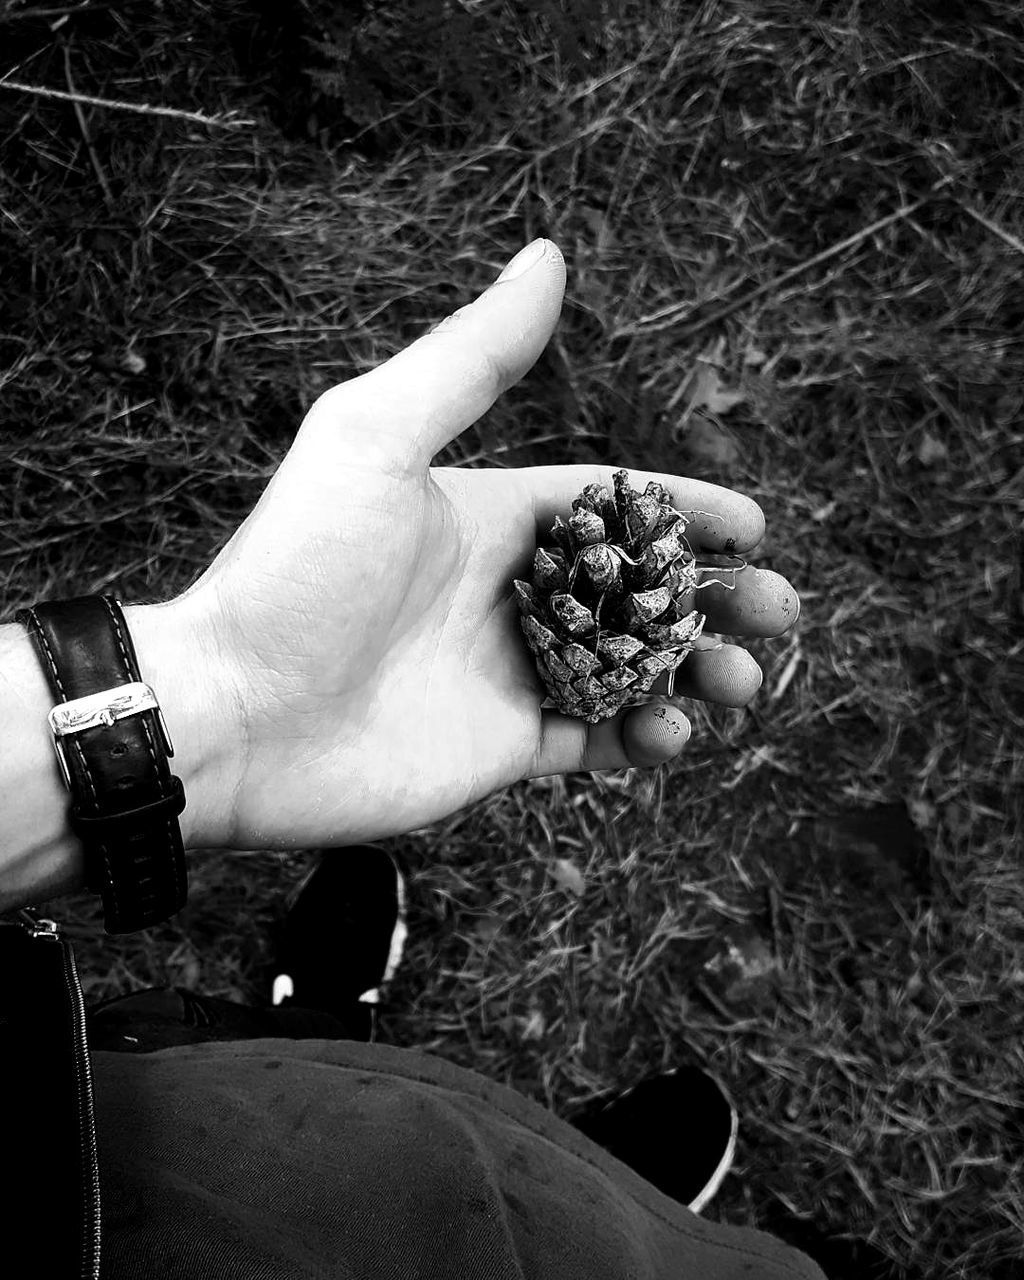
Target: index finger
pixel 734 523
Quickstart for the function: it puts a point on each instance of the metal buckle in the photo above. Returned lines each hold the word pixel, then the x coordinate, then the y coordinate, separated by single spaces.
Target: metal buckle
pixel 101 709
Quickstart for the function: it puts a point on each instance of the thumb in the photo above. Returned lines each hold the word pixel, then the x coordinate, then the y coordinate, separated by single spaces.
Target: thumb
pixel 417 402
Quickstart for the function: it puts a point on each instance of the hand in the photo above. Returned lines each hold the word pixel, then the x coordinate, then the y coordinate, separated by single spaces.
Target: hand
pixel 363 616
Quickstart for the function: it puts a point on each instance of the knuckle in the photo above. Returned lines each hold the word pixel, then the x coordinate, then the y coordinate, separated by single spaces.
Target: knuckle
pixel 329 404
pixel 449 322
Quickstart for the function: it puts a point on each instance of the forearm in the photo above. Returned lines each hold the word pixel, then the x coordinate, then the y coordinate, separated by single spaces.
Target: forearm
pixel 40 856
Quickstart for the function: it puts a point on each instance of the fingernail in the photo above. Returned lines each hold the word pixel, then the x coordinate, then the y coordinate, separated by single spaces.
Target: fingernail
pixel 524 260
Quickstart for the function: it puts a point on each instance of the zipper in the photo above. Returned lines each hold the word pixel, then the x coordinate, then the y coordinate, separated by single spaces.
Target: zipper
pixel 48 931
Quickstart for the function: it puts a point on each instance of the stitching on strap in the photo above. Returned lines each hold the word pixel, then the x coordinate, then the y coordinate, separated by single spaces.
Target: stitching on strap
pixel 179 879
pixel 75 745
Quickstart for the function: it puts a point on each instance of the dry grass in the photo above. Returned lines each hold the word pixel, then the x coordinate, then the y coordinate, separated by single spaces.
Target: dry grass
pixel 823 899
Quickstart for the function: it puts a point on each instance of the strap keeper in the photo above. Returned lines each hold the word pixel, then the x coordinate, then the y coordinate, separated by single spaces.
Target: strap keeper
pixel 97 826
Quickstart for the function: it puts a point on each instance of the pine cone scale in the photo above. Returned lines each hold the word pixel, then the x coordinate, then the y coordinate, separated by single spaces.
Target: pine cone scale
pixel 607 611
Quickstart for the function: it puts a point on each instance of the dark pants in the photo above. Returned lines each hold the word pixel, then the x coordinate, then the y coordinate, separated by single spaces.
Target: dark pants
pixel 315 1159
pixel 292 1150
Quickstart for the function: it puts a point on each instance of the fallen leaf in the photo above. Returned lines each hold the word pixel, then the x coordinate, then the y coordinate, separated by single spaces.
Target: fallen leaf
pixel 568 875
pixel 744 967
pixel 923 813
pixel 487 928
pixel 600 229
pixel 931 450
pixel 746 956
pixel 875 854
pixel 707 391
pixel 534 1026
pixel 704 389
pixel 709 442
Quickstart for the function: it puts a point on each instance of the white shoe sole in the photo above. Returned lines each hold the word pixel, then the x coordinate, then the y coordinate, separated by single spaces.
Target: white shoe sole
pixel 283 986
pixel 710 1188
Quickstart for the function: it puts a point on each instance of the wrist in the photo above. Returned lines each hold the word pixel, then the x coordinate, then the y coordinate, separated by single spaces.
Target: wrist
pixel 179 661
pixel 41 858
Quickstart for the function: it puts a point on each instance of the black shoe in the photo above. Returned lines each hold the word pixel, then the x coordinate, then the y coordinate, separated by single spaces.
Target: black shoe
pixel 677 1130
pixel 343 936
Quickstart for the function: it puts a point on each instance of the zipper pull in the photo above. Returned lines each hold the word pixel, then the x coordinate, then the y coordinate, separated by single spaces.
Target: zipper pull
pixel 36 926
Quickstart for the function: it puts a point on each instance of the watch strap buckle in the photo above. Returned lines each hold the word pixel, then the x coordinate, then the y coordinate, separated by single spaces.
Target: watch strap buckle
pixel 101 710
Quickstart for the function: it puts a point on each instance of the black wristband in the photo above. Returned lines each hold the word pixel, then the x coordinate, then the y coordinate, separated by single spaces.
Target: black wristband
pixel 113 749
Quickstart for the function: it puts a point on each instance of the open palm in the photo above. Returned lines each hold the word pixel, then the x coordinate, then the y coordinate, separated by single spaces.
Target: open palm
pixel 365 613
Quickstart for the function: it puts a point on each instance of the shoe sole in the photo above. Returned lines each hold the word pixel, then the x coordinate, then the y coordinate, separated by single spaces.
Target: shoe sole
pixel 711 1187
pixel 672 1129
pixel 283 989
pixel 396 948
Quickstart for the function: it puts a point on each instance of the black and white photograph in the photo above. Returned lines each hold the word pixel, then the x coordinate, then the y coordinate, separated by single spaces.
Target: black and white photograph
pixel 512 639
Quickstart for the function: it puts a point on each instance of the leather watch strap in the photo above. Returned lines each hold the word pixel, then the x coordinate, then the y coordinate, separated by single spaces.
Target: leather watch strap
pixel 114 757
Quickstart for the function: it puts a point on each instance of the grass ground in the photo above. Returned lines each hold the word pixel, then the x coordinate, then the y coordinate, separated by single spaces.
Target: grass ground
pixel 794 234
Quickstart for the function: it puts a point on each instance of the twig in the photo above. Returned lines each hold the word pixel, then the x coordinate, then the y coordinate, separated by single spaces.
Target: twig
pixel 831 252
pixel 1006 236
pixel 141 108
pixel 101 177
pixel 66 11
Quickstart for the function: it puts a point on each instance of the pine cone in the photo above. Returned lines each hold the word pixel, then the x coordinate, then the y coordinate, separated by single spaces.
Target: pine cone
pixel 609 608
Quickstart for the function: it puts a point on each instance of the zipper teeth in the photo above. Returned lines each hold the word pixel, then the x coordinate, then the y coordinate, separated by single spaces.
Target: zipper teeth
pixel 87 1124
